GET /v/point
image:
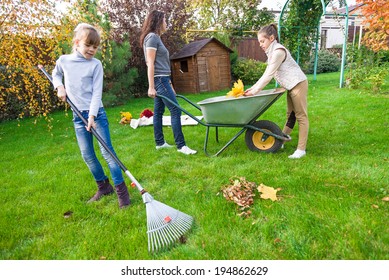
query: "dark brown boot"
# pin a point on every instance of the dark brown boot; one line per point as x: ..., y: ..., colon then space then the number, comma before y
x: 123, y: 196
x: 104, y: 188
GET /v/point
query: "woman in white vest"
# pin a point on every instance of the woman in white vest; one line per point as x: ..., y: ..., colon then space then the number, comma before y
x: 288, y: 74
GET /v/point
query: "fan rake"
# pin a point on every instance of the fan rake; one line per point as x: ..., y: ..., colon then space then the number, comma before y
x: 165, y: 225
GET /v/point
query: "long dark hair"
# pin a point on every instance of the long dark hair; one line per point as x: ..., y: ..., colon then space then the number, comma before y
x: 153, y: 23
x: 269, y: 30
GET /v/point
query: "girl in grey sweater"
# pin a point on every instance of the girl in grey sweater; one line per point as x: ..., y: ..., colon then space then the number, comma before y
x: 79, y: 76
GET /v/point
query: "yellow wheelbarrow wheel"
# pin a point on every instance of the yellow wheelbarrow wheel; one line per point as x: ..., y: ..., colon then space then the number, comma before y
x: 262, y: 142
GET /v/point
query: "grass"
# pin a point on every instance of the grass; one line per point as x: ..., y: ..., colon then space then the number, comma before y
x: 331, y: 203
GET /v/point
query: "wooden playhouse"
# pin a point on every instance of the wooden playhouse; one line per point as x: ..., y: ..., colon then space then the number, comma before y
x: 201, y: 66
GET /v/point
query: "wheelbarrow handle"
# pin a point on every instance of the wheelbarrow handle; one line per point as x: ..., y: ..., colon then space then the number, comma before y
x: 182, y: 109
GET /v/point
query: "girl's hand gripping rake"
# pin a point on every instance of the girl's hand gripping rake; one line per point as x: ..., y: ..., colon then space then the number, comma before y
x: 165, y: 224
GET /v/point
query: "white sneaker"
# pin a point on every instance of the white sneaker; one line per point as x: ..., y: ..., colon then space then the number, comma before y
x: 165, y: 145
x: 297, y: 154
x: 187, y: 151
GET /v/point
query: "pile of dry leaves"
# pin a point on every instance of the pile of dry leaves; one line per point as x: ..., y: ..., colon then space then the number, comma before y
x: 242, y: 193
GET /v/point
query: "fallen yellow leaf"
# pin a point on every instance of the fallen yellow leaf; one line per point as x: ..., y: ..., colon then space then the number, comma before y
x: 386, y: 198
x: 267, y: 192
x: 237, y: 90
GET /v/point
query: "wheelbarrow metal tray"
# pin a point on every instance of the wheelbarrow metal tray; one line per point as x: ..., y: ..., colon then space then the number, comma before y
x: 236, y: 110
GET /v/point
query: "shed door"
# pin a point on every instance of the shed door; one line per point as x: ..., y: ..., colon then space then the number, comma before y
x: 213, y: 73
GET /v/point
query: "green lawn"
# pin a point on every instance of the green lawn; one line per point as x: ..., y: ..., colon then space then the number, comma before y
x: 330, y: 204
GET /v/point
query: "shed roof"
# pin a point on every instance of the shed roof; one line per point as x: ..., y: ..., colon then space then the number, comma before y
x: 194, y: 47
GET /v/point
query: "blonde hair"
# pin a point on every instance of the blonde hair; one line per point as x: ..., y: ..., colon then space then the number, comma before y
x: 86, y: 32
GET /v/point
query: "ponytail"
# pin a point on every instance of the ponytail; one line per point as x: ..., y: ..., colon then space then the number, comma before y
x: 269, y: 30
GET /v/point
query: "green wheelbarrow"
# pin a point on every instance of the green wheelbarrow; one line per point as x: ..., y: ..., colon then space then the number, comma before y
x: 239, y: 112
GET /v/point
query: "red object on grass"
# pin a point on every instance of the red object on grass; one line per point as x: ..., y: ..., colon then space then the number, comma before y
x: 146, y: 113
x: 167, y: 219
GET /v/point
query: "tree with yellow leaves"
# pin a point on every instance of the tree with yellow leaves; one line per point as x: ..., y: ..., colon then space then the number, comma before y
x: 35, y: 32
x: 376, y: 13
x: 24, y: 43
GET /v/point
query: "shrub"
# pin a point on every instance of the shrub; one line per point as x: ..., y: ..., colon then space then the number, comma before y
x: 366, y: 68
x: 326, y: 62
x: 12, y: 106
x: 119, y: 77
x: 248, y: 70
x: 355, y: 76
x: 377, y: 76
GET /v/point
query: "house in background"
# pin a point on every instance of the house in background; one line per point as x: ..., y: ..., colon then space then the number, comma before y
x: 201, y: 66
x: 331, y: 32
x: 332, y: 27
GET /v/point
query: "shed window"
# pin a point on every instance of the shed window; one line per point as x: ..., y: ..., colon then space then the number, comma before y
x: 184, y: 65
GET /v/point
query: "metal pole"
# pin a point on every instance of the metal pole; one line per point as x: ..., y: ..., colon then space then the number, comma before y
x: 344, y: 48
x: 317, y: 40
x: 316, y: 54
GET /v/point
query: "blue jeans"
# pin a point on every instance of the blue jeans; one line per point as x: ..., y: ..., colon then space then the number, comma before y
x: 163, y: 88
x: 85, y: 143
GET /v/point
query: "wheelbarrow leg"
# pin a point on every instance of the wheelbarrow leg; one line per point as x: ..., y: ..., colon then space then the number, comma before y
x: 206, y: 141
x: 225, y: 146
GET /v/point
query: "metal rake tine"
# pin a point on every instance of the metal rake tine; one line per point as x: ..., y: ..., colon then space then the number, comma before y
x: 176, y: 230
x: 148, y: 242
x: 163, y: 235
x: 154, y: 238
x: 158, y: 237
x: 184, y: 224
x: 165, y: 225
x: 155, y: 241
x: 166, y: 238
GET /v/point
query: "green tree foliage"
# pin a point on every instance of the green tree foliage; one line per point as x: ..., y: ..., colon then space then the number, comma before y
x: 248, y: 70
x: 366, y: 68
x: 119, y: 76
x: 299, y: 27
x: 233, y: 16
x: 127, y: 18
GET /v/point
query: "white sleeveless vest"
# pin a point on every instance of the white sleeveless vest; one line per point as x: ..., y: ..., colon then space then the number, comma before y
x: 289, y: 74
